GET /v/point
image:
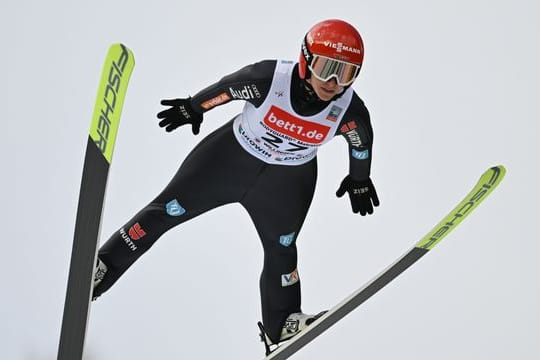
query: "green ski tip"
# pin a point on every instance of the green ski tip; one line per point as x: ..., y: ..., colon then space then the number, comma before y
x: 110, y: 99
x: 487, y: 183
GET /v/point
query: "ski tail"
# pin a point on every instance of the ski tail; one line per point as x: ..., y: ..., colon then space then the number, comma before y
x: 112, y: 89
x: 487, y: 183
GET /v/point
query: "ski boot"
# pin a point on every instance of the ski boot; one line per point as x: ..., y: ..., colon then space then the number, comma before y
x: 99, y: 273
x: 294, y: 324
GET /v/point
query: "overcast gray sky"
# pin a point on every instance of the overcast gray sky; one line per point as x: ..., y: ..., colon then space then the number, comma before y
x: 452, y: 88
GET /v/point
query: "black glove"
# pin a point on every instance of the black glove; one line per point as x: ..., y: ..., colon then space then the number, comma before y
x: 179, y: 114
x: 362, y: 194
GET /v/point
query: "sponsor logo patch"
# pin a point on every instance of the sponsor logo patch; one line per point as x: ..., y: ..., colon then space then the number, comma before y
x: 136, y: 232
x: 306, y: 131
x: 290, y: 279
x: 351, y: 125
x: 354, y: 138
x: 360, y: 155
x: 340, y: 47
x: 127, y: 240
x: 218, y: 100
x: 245, y: 93
x: 287, y: 240
x: 174, y: 208
x: 334, y: 113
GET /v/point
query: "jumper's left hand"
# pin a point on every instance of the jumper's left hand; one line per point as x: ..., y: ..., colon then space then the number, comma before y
x: 361, y: 193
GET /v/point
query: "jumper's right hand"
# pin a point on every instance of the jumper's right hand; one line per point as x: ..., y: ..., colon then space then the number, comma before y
x: 180, y: 113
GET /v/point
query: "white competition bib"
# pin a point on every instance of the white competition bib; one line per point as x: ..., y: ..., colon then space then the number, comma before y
x: 276, y: 134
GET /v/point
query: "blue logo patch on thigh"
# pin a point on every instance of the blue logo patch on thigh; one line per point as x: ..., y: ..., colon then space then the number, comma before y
x: 287, y: 240
x: 360, y: 155
x: 174, y: 208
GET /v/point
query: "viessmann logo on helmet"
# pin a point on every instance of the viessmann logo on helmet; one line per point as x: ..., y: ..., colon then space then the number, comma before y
x: 341, y: 47
x: 302, y: 130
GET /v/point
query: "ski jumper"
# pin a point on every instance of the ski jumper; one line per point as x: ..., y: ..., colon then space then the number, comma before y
x: 263, y: 159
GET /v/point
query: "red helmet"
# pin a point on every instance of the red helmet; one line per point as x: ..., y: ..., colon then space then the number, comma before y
x: 334, y: 39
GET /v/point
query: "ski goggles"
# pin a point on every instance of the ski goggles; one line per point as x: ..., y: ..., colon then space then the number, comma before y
x: 325, y: 68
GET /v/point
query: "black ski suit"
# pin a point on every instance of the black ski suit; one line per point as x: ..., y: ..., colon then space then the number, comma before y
x: 220, y: 171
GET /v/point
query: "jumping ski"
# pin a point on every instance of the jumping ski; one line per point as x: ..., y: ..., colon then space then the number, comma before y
x: 487, y: 183
x: 112, y: 88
